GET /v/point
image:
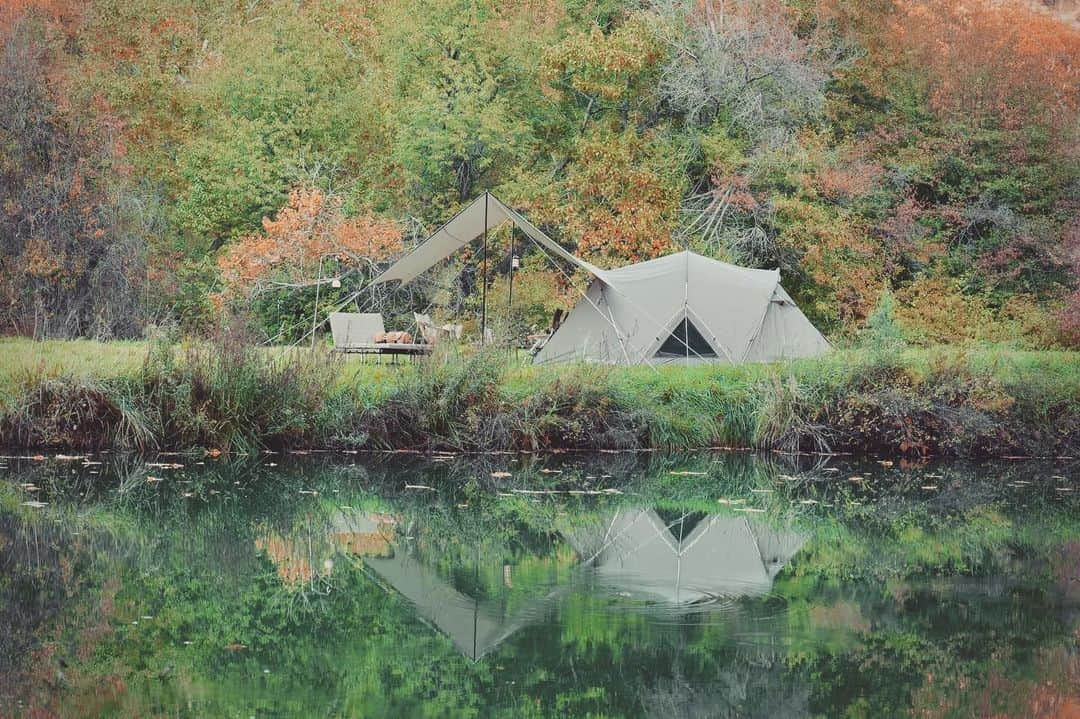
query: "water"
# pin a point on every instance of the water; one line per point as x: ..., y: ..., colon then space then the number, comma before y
x: 611, y: 585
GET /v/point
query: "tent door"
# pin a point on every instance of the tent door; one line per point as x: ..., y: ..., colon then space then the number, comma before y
x: 685, y: 334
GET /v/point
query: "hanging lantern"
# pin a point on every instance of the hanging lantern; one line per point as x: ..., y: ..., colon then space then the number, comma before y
x: 515, y: 263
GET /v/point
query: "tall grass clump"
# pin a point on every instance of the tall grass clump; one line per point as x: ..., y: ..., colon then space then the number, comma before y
x: 580, y: 408
x: 785, y: 416
x: 448, y: 403
x: 66, y: 412
x: 229, y: 394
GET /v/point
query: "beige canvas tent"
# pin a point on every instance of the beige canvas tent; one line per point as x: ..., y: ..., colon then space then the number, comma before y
x: 684, y: 308
x: 688, y: 560
x: 680, y: 308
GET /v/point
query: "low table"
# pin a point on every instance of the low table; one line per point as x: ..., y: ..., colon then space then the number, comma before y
x: 383, y: 348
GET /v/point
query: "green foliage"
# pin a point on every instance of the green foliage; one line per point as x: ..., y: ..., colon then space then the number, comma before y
x: 883, y: 335
x: 833, y: 141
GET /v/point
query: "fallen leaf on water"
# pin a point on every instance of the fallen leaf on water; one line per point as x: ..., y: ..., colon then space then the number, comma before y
x: 236, y: 647
x: 217, y: 452
x: 885, y: 462
x: 854, y: 479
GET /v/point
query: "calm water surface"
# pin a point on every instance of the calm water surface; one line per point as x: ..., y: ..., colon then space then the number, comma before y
x: 615, y: 585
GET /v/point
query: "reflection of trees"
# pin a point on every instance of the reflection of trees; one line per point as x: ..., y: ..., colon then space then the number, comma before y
x: 825, y: 637
x: 743, y: 690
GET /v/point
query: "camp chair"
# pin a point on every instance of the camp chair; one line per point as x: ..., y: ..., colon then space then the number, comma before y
x: 433, y: 333
x: 427, y: 329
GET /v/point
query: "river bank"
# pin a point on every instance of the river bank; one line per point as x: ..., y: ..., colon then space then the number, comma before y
x: 227, y: 395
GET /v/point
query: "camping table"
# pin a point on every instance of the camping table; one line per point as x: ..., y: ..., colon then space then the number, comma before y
x: 383, y: 348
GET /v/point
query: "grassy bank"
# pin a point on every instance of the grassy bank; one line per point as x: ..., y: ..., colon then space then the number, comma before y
x: 980, y: 401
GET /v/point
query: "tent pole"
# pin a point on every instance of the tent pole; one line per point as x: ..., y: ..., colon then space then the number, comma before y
x: 510, y: 296
x: 483, y: 292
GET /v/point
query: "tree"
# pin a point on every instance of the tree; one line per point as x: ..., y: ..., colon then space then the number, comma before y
x: 71, y: 262
x: 290, y: 247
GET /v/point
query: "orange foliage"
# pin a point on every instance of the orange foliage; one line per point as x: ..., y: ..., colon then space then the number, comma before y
x: 56, y: 11
x: 309, y: 226
x: 982, y: 58
x: 626, y: 205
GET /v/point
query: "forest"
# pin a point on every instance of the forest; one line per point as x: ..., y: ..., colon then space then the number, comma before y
x: 178, y: 163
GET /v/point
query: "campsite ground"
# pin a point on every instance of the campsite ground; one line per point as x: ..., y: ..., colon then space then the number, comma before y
x: 980, y: 400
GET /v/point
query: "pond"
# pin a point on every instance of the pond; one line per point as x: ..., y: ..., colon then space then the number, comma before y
x: 616, y: 585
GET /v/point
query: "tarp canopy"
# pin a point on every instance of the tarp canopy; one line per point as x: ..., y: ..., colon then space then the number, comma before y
x: 486, y: 211
x: 684, y: 308
x: 475, y: 627
x: 681, y: 561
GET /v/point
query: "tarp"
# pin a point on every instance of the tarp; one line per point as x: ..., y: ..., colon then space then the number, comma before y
x: 485, y: 211
x: 640, y: 313
x: 473, y: 626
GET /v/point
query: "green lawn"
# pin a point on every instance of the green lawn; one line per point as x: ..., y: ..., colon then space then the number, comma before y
x: 24, y: 359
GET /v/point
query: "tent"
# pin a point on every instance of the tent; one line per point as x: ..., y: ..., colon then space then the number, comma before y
x: 684, y: 308
x: 679, y: 308
x: 690, y: 559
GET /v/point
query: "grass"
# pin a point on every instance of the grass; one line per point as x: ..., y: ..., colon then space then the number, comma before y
x: 963, y: 401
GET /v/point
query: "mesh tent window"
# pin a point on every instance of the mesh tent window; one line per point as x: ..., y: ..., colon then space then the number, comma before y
x: 685, y: 334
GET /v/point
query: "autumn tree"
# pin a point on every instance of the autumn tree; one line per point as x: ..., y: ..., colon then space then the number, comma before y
x: 311, y: 226
x: 71, y: 262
